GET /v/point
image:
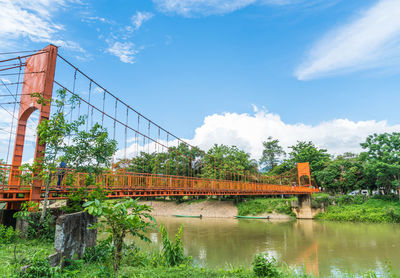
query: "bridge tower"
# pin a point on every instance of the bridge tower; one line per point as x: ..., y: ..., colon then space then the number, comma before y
x: 38, y: 78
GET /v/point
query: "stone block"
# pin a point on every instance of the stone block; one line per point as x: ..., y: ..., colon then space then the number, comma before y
x: 73, y: 235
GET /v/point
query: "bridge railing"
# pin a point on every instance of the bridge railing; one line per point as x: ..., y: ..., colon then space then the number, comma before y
x: 69, y: 179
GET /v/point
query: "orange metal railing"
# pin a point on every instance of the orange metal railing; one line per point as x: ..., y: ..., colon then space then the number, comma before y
x: 146, y: 184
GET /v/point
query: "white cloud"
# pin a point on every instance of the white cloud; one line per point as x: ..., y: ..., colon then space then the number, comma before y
x: 190, y: 8
x: 371, y: 40
x: 139, y: 18
x: 248, y: 131
x: 205, y: 7
x: 32, y: 19
x: 125, y: 51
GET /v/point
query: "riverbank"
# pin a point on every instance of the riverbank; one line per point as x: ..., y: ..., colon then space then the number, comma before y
x: 273, y: 208
x: 362, y: 209
x: 97, y: 263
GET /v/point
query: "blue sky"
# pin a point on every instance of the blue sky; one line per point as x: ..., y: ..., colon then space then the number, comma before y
x: 233, y: 72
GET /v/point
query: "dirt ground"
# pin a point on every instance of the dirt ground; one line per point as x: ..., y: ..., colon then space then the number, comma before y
x: 214, y: 209
x: 209, y: 209
x: 206, y: 208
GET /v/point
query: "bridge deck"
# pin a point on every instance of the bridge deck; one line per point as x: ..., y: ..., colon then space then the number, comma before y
x: 124, y: 184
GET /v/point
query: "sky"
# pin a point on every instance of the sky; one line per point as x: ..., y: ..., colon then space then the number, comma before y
x: 231, y: 72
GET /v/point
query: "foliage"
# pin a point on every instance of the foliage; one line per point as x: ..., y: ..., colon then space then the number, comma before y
x: 173, y: 251
x: 37, y: 228
x: 52, y: 133
x: 102, y: 252
x: 304, y: 152
x: 382, y: 160
x: 271, y: 154
x: 341, y: 175
x: 120, y: 217
x: 265, y: 267
x: 90, y: 151
x: 320, y: 200
x: 259, y: 206
x: 8, y: 235
x: 228, y: 162
x: 362, y: 209
x: 181, y: 160
x: 79, y: 196
x: 40, y: 267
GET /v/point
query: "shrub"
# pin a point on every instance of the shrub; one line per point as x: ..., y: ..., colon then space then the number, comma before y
x: 265, y: 267
x: 40, y: 267
x: 8, y: 235
x: 173, y: 251
x: 265, y: 205
x: 43, y: 229
x: 102, y: 252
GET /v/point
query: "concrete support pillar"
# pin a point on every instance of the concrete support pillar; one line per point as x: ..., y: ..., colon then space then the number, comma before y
x: 304, y: 210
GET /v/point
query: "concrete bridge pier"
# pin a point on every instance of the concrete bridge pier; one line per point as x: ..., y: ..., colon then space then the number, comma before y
x: 303, y: 208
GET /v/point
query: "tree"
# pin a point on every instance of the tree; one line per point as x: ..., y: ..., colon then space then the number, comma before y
x: 53, y: 132
x: 308, y: 152
x: 90, y: 151
x: 120, y: 217
x: 382, y: 160
x: 304, y: 152
x: 271, y: 154
x: 228, y: 162
x: 342, y: 175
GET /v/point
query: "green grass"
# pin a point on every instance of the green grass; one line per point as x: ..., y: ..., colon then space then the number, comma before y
x: 265, y: 205
x: 141, y: 265
x: 369, y: 210
x: 14, y: 256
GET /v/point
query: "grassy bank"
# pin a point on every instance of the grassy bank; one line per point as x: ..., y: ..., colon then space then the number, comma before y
x: 259, y: 206
x: 135, y: 264
x: 361, y: 209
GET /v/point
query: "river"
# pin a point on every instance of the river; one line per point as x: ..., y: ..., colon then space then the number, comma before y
x: 322, y: 248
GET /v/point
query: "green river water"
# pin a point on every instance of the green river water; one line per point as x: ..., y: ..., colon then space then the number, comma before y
x: 322, y: 248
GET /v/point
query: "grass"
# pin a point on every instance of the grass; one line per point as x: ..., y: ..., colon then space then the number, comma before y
x: 373, y: 210
x: 141, y: 264
x: 16, y: 255
x: 259, y: 206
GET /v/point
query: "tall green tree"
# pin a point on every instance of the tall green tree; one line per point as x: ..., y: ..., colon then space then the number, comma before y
x: 382, y: 160
x: 304, y: 152
x: 90, y: 151
x: 272, y: 154
x: 342, y: 175
x: 53, y: 132
x: 228, y: 162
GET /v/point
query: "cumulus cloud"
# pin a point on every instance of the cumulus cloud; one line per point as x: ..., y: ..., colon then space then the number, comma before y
x: 125, y: 51
x: 371, y: 40
x: 248, y: 131
x: 139, y: 18
x: 32, y: 19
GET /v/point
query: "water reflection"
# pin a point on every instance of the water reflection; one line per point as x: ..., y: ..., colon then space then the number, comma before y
x: 322, y: 247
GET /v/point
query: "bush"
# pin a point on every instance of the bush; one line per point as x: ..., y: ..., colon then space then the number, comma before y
x: 37, y: 229
x: 265, y: 205
x: 173, y: 251
x: 44, y: 230
x: 8, y: 235
x: 40, y: 267
x: 102, y: 252
x: 265, y: 267
x: 320, y: 200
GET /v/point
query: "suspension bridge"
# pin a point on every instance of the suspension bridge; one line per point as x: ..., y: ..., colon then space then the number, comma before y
x: 44, y: 71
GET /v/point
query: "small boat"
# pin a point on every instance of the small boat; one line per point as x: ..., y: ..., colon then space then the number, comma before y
x: 252, y: 217
x: 188, y: 216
